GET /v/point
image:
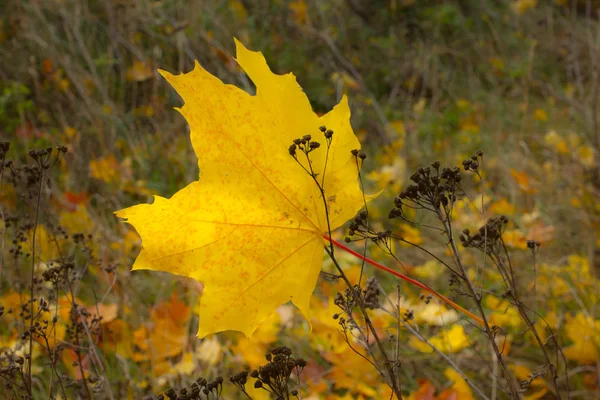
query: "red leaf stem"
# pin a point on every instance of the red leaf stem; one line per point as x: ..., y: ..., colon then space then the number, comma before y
x: 406, y: 278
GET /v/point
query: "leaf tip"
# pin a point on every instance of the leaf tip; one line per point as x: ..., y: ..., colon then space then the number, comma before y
x: 249, y: 60
x: 121, y: 214
x: 237, y: 42
x: 165, y: 74
x: 241, y: 50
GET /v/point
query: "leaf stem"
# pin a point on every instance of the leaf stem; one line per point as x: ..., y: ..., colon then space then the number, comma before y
x: 406, y: 278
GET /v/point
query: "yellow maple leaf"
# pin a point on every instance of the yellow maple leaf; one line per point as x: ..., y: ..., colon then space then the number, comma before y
x: 251, y: 229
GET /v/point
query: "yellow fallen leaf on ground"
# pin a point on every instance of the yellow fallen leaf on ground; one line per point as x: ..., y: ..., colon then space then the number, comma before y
x: 139, y: 71
x: 514, y: 238
x: 165, y: 337
x: 434, y: 313
x: 253, y: 349
x: 210, y: 351
x: 447, y: 341
x: 524, y: 181
x: 251, y: 229
x: 459, y: 390
x: 540, y: 115
x: 108, y: 312
x: 105, y: 169
x: 410, y: 234
x: 502, y: 207
x: 299, y: 9
x: 584, y: 332
x: 116, y: 337
x: 504, y: 314
x: 350, y: 371
x: 521, y: 6
x: 534, y: 388
x: 326, y: 334
x: 426, y: 391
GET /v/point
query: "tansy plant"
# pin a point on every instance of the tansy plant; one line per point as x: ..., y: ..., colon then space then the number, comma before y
x: 275, y: 180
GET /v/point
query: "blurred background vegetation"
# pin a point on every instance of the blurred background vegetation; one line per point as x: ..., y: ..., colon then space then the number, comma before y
x: 427, y: 80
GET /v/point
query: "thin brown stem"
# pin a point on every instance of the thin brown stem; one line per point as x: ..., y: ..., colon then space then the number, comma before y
x: 472, y: 292
x: 396, y: 387
x: 394, y: 383
x: 32, y: 294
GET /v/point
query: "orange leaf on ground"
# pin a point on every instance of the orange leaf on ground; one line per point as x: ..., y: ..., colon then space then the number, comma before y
x: 166, y: 336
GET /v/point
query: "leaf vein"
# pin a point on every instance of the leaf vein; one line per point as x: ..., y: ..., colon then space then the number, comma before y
x: 269, y: 271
